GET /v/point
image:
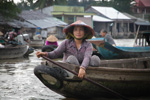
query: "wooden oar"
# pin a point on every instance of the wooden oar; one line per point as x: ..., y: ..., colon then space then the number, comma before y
x: 89, y: 80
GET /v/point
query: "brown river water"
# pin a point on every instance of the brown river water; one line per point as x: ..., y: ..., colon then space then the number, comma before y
x: 18, y: 82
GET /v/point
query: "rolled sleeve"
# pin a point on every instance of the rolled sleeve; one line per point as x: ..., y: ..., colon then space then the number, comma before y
x: 58, y: 51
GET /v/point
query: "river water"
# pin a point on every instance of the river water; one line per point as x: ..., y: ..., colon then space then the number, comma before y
x: 18, y: 82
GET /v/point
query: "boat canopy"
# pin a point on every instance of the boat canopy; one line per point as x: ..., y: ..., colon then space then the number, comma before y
x: 142, y: 23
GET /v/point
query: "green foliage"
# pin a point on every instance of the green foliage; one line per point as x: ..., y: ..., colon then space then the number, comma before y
x: 121, y: 5
x: 39, y: 4
x: 26, y: 5
x: 60, y: 2
x: 73, y: 2
x: 8, y: 9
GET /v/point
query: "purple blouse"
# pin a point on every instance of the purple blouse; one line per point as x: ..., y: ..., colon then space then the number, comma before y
x: 68, y: 47
x: 51, y: 43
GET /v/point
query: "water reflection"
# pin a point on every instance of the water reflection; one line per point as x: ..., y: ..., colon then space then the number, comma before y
x: 17, y: 81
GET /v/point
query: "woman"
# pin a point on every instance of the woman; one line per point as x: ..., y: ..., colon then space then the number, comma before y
x: 51, y: 44
x: 51, y: 40
x: 75, y: 48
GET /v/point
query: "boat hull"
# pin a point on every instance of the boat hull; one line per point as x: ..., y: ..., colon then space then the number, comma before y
x: 108, y: 51
x: 13, y: 52
x: 37, y: 43
x: 126, y: 81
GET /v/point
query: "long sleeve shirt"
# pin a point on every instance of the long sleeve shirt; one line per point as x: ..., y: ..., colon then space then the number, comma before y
x: 68, y: 47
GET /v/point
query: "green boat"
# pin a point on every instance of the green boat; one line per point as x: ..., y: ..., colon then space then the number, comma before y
x: 107, y: 51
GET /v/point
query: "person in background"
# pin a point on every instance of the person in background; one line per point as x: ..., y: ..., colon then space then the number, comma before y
x: 2, y: 42
x: 50, y: 44
x: 75, y: 48
x: 37, y: 35
x: 51, y: 40
x: 12, y: 34
x: 107, y: 37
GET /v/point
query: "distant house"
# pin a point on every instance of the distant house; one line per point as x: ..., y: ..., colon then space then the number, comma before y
x: 112, y: 20
x: 67, y: 14
x: 141, y: 9
x: 47, y: 23
x: 142, y: 6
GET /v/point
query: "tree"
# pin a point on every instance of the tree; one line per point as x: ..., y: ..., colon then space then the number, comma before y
x: 8, y: 9
x: 60, y: 2
x: 122, y: 5
x: 39, y: 4
x: 73, y: 2
x: 26, y: 5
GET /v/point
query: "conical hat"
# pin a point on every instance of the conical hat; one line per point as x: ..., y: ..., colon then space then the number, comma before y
x: 1, y: 33
x: 69, y: 29
x: 52, y: 38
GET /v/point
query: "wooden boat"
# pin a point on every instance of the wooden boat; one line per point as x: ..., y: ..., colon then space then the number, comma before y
x: 48, y: 48
x: 129, y: 77
x: 13, y: 51
x: 29, y: 51
x: 37, y: 43
x: 108, y: 51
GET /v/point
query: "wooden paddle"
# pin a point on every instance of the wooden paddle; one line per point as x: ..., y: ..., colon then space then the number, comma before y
x: 89, y: 80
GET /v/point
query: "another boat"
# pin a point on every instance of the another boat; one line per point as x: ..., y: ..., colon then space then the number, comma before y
x: 13, y: 51
x: 129, y: 77
x: 37, y: 43
x: 29, y: 51
x: 107, y: 51
x: 48, y: 48
x: 141, y: 47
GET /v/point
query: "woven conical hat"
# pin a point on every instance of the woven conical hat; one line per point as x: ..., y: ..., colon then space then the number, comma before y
x: 1, y: 33
x: 52, y: 38
x: 69, y: 28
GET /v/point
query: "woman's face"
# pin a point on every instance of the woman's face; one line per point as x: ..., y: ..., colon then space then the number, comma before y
x: 78, y: 32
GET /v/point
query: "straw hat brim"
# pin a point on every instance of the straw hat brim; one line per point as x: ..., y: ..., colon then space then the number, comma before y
x: 52, y: 38
x: 79, y: 23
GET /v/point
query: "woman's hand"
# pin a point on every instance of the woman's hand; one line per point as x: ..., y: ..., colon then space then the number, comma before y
x: 39, y: 54
x: 81, y: 72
